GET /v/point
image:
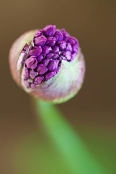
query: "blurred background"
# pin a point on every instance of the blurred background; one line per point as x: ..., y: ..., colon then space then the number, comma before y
x: 24, y: 146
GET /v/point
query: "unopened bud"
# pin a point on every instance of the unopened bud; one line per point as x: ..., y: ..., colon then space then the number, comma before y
x: 48, y: 64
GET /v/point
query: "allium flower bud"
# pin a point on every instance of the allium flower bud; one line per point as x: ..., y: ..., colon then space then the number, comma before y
x: 48, y: 64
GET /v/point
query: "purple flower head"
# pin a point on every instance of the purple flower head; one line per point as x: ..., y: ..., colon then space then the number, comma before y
x: 50, y: 47
x: 48, y: 53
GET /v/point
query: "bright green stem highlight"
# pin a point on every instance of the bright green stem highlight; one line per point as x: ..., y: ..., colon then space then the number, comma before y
x: 70, y: 145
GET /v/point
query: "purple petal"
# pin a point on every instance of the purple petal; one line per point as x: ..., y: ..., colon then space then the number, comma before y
x: 26, y: 75
x: 31, y: 62
x: 42, y: 69
x: 38, y: 33
x: 26, y: 47
x: 75, y: 48
x: 67, y: 54
x: 58, y: 68
x: 49, y: 75
x: 50, y: 55
x: 73, y: 56
x: 65, y: 33
x: 72, y: 40
x: 55, y: 49
x: 44, y: 55
x: 62, y: 45
x: 26, y: 83
x: 62, y: 57
x: 66, y: 39
x: 69, y: 47
x: 61, y: 52
x: 35, y: 52
x: 40, y: 40
x: 56, y: 56
x: 33, y: 85
x: 38, y: 80
x: 51, y: 41
x: 46, y: 49
x: 58, y: 35
x: 33, y: 74
x: 40, y: 58
x: 46, y: 61
x: 49, y: 30
x: 53, y: 65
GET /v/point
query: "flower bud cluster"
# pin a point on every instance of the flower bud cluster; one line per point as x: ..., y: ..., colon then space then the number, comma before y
x: 43, y: 58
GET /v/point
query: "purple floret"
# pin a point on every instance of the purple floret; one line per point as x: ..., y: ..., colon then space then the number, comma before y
x: 43, y: 60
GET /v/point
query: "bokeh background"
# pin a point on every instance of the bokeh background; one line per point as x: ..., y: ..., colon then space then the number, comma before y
x: 24, y: 146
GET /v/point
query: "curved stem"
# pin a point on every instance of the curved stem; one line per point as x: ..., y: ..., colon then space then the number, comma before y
x: 68, y: 142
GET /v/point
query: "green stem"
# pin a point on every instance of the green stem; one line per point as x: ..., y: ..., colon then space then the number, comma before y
x: 70, y: 145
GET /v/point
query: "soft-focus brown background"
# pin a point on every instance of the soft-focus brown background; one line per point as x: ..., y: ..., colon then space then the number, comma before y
x: 94, y: 108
